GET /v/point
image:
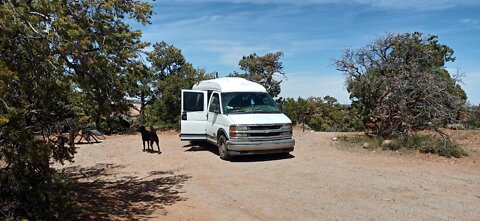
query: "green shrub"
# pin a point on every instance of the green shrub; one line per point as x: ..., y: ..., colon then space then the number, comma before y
x: 429, y: 144
x: 392, y: 145
x: 374, y: 142
x: 444, y: 148
x: 424, y: 142
x: 473, y: 117
x: 415, y: 141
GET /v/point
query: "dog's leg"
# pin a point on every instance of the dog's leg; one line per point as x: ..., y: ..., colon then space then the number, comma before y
x: 143, y: 141
x: 158, y: 147
x: 151, y: 145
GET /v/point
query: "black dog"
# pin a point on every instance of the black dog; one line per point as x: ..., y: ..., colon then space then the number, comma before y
x: 150, y: 137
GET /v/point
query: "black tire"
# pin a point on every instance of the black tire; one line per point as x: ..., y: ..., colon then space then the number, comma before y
x: 222, y: 148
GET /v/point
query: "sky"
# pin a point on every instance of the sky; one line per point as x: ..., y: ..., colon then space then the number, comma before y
x: 215, y: 34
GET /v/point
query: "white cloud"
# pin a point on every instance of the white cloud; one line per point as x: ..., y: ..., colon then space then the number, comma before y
x: 230, y: 52
x: 471, y: 22
x: 392, y: 4
x: 195, y: 20
x: 316, y: 45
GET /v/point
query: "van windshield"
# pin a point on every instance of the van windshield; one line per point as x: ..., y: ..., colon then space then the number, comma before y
x: 248, y: 102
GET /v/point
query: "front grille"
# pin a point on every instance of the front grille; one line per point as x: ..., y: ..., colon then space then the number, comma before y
x: 262, y: 133
x: 265, y: 127
x: 265, y: 134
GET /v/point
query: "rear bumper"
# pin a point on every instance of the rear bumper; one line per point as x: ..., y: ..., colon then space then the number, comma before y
x: 260, y: 147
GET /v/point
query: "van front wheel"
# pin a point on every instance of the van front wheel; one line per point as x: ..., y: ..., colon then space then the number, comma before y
x: 222, y: 148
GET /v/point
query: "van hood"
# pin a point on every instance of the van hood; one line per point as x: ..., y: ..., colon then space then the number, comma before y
x: 259, y: 118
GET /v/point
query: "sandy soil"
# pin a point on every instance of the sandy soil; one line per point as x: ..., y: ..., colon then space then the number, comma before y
x: 320, y: 180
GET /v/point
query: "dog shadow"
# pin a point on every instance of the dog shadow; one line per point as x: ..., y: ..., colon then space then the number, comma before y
x: 152, y: 151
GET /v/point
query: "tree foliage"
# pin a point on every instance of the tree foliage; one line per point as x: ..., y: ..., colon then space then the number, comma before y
x: 174, y: 73
x: 399, y: 81
x: 322, y: 114
x: 262, y: 69
x: 144, y: 87
x: 472, y: 119
x: 51, y: 54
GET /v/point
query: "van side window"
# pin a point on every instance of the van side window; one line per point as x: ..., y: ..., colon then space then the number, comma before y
x: 193, y: 101
x: 214, y: 104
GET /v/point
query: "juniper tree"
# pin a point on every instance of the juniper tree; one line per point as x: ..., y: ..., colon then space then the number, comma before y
x: 400, y: 81
x: 49, y: 51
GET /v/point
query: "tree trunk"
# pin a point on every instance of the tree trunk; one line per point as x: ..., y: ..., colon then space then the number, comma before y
x: 142, y: 109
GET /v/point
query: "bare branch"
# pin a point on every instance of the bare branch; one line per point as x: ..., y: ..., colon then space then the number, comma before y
x: 34, y: 30
x: 4, y: 103
x: 40, y: 14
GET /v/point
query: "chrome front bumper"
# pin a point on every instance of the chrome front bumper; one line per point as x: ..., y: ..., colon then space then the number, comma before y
x: 275, y: 146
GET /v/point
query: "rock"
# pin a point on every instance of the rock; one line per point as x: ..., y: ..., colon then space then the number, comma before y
x: 365, y: 145
x: 334, y: 139
x: 456, y: 126
x: 387, y: 142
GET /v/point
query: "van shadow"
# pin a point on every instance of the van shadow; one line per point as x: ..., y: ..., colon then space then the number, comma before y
x: 102, y: 193
x: 204, y: 146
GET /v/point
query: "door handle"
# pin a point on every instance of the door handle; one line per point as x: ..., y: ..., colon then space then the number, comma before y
x: 184, y: 115
x: 207, y: 116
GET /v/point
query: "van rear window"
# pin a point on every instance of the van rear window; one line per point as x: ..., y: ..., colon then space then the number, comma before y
x: 192, y: 101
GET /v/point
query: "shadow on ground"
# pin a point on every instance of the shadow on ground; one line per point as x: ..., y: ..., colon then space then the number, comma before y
x: 102, y: 193
x: 203, y: 146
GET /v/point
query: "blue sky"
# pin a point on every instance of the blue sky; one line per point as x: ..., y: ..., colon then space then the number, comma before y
x: 215, y: 34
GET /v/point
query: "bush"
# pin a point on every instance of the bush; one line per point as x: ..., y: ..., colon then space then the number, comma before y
x: 424, y: 142
x: 429, y: 144
x: 391, y: 145
x: 373, y: 142
x: 473, y: 117
x: 323, y: 114
x: 415, y: 141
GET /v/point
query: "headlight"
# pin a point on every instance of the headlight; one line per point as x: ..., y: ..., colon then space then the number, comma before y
x: 234, y: 129
x: 238, y: 128
x: 287, y: 127
x: 287, y: 130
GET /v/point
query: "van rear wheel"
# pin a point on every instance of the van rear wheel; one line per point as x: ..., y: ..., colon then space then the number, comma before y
x: 222, y: 148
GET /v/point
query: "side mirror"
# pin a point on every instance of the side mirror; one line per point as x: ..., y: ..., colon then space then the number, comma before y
x: 184, y: 115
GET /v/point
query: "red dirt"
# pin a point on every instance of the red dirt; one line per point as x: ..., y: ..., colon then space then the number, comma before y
x: 321, y: 180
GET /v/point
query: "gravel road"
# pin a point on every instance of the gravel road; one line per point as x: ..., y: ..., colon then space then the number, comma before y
x: 320, y: 180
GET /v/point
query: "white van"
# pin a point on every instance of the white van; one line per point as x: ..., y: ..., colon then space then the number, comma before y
x: 237, y: 115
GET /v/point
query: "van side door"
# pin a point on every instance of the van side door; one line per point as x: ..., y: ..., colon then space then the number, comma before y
x: 193, y: 115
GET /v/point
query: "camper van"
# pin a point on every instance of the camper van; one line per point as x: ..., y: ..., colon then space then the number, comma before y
x: 237, y: 115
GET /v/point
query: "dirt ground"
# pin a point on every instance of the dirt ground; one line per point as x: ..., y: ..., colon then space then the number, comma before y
x: 320, y: 180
